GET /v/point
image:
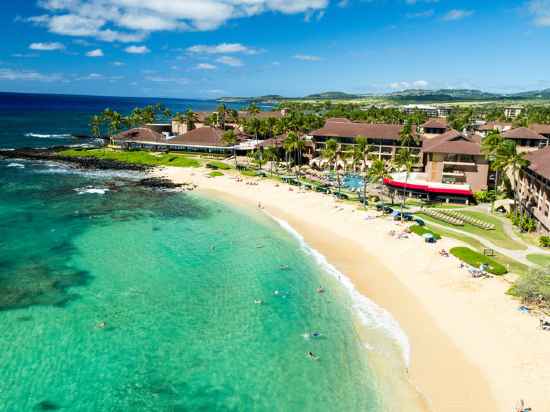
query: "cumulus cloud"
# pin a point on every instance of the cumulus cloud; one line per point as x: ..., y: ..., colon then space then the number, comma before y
x: 421, y: 14
x: 457, y: 14
x: 27, y: 75
x: 540, y: 10
x: 95, y: 53
x: 162, y: 79
x: 118, y: 64
x: 137, y: 49
x: 222, y: 48
x: 205, y: 66
x: 307, y: 57
x: 418, y: 84
x: 46, y: 46
x: 230, y: 61
x: 132, y: 20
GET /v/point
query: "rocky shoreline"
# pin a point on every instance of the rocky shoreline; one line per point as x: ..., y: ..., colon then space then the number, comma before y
x: 52, y: 154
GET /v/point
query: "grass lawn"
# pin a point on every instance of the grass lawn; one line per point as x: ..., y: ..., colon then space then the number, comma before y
x: 422, y: 230
x: 511, y: 264
x: 215, y: 164
x: 140, y: 157
x: 539, y: 259
x: 475, y: 259
x: 215, y: 173
x: 497, y: 236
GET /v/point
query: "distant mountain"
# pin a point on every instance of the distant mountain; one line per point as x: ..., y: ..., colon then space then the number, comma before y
x: 333, y: 95
x: 534, y: 94
x: 443, y: 95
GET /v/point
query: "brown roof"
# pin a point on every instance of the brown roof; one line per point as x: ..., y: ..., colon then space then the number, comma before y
x: 543, y: 129
x: 540, y: 162
x: 203, y: 136
x: 493, y: 125
x: 453, y: 142
x: 435, y: 123
x: 353, y: 129
x: 140, y: 134
x: 522, y: 133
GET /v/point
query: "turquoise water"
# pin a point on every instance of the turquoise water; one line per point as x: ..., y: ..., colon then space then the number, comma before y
x: 173, y: 278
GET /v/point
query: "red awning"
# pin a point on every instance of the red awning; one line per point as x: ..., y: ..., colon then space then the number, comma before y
x: 427, y: 188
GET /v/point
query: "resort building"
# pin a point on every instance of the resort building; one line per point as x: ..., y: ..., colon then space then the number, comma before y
x: 542, y: 129
x: 534, y: 188
x: 430, y: 111
x: 501, y: 127
x: 434, y: 127
x: 512, y: 112
x: 139, y: 137
x: 383, y: 139
x: 455, y: 169
x: 526, y: 139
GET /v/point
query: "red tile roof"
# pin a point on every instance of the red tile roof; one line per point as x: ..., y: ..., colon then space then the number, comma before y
x: 140, y: 134
x: 203, y: 136
x: 540, y: 162
x: 543, y: 129
x: 436, y: 123
x: 493, y: 126
x: 522, y: 133
x: 453, y: 142
x: 339, y: 128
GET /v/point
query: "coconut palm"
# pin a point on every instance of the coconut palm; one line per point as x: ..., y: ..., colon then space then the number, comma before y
x: 360, y: 152
x: 490, y: 146
x: 510, y: 161
x: 222, y: 111
x: 230, y: 139
x: 404, y: 160
x: 407, y: 136
x: 332, y: 153
x: 95, y: 126
x: 190, y: 119
x: 270, y: 155
x: 253, y: 109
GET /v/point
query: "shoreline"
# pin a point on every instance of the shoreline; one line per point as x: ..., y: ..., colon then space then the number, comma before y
x: 467, y: 338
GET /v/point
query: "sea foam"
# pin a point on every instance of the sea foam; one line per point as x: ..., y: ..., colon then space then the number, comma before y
x: 372, y: 315
x: 91, y: 190
x: 18, y: 165
x: 48, y: 136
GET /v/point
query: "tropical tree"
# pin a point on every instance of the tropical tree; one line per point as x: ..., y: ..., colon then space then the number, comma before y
x: 253, y: 109
x: 332, y: 153
x: 222, y: 111
x: 510, y: 161
x: 490, y: 146
x: 294, y: 147
x: 95, y: 125
x: 190, y: 119
x: 230, y: 139
x: 270, y: 155
x: 360, y: 152
x: 407, y: 136
x: 404, y: 160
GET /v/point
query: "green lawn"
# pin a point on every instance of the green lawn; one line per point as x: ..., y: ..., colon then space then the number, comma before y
x: 215, y: 164
x: 140, y: 157
x: 422, y: 230
x: 475, y: 259
x: 539, y: 259
x: 497, y: 236
x: 511, y: 264
x: 215, y: 173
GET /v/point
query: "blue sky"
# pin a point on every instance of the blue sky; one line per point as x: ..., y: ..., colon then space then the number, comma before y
x: 209, y: 48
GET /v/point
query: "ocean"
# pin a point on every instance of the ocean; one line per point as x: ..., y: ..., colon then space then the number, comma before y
x: 114, y: 297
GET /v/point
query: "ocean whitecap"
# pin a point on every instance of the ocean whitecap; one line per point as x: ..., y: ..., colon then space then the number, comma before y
x: 91, y: 190
x: 48, y: 136
x: 18, y: 165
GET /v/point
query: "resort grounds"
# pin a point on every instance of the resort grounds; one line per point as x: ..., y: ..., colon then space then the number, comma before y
x: 471, y: 349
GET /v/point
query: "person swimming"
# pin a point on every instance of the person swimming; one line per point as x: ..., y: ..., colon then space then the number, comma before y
x: 101, y: 325
x: 312, y: 356
x: 258, y: 301
x: 320, y: 289
x: 316, y: 334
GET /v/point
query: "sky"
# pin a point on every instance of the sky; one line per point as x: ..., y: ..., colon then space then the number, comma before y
x: 212, y: 48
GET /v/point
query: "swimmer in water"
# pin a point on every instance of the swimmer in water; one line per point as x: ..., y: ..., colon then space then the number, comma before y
x: 320, y: 289
x: 312, y: 355
x: 258, y: 302
x: 101, y: 325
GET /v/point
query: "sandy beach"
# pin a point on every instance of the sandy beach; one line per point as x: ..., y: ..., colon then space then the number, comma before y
x: 471, y: 349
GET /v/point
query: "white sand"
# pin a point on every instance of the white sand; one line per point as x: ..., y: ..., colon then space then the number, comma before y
x: 472, y: 350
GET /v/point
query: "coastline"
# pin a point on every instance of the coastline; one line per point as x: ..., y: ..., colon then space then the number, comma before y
x: 467, y: 338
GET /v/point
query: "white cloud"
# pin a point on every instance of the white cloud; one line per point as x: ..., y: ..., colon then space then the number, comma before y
x: 307, y: 57
x: 222, y: 48
x: 540, y: 10
x: 99, y: 76
x: 118, y: 64
x: 457, y: 14
x: 420, y: 84
x: 46, y: 46
x: 27, y: 75
x: 417, y: 84
x: 421, y: 14
x: 230, y: 61
x: 137, y: 49
x: 205, y: 66
x: 162, y: 79
x: 103, y: 19
x: 95, y: 53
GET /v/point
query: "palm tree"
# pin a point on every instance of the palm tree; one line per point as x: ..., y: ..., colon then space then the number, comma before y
x: 253, y: 109
x: 404, y: 160
x: 511, y: 162
x: 95, y: 126
x: 407, y: 136
x: 332, y: 153
x: 190, y: 119
x: 270, y: 155
x: 289, y: 145
x: 490, y: 146
x: 360, y: 152
x: 221, y: 116
x: 378, y: 171
x: 230, y: 139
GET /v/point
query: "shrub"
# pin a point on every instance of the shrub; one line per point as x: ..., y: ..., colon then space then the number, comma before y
x: 544, y: 241
x: 534, y: 287
x: 422, y: 230
x: 475, y: 259
x: 485, y: 196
